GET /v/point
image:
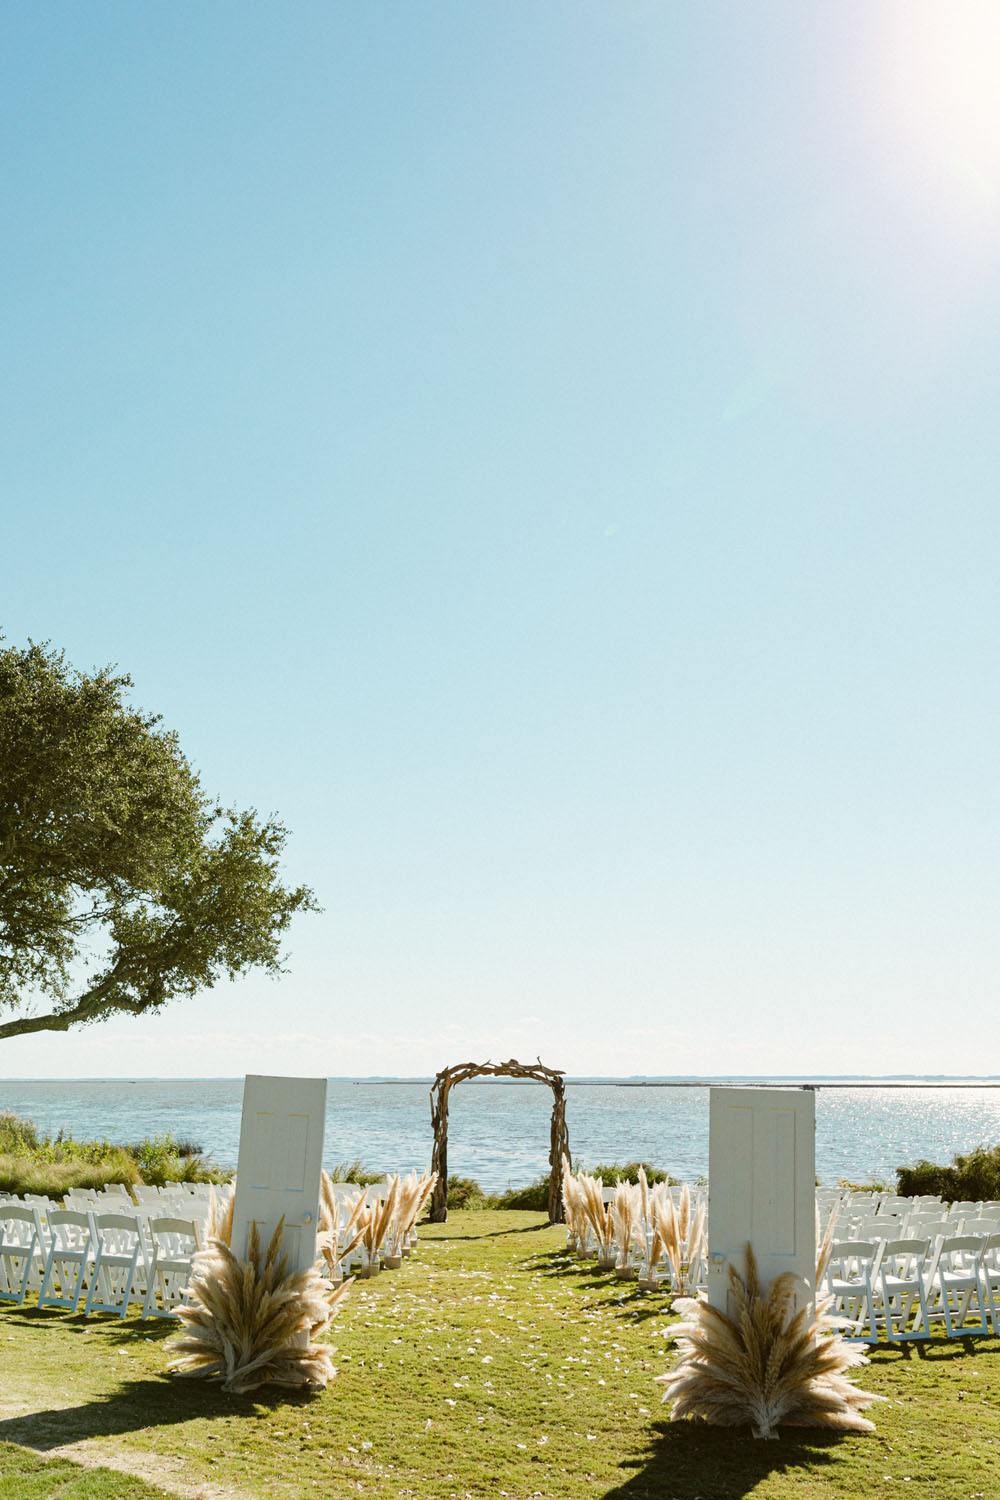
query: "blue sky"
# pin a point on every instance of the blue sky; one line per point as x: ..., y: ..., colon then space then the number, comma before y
x: 548, y: 455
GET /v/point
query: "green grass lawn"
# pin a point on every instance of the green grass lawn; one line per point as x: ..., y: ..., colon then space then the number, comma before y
x: 491, y: 1364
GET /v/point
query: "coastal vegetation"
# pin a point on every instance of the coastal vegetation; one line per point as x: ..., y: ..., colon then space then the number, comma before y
x: 974, y: 1178
x: 34, y: 1163
x: 494, y: 1361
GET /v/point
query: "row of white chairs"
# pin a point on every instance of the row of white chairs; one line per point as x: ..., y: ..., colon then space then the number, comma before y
x: 896, y: 1288
x: 105, y: 1260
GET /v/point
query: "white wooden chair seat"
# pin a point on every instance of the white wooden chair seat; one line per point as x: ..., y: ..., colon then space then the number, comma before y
x: 22, y: 1250
x: 852, y: 1272
x: 955, y: 1283
x: 903, y: 1289
x: 175, y: 1242
x: 69, y: 1262
x: 120, y: 1249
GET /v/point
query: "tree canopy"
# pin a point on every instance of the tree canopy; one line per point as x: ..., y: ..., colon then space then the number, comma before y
x: 122, y: 884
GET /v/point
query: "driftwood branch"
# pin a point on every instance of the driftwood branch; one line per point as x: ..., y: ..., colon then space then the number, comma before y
x: 558, y: 1140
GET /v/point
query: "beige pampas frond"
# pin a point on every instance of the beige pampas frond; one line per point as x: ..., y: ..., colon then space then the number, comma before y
x: 660, y: 1218
x: 576, y: 1216
x: 767, y: 1365
x: 599, y: 1215
x: 644, y: 1200
x: 624, y: 1212
x: 428, y: 1183
x: 825, y: 1243
x: 377, y: 1220
x: 333, y: 1245
x: 683, y: 1212
x: 220, y: 1221
x: 249, y: 1323
x: 414, y: 1192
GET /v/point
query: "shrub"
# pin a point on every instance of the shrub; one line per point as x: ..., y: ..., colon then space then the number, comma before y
x: 16, y: 1135
x: 535, y: 1196
x: 973, y: 1177
x: 465, y: 1192
x: 355, y: 1171
x: 30, y: 1163
x: 628, y: 1173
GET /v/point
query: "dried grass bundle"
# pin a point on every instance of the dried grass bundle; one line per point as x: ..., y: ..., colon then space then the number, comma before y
x: 220, y: 1215
x: 576, y: 1215
x: 644, y: 1205
x: 414, y: 1192
x: 374, y: 1224
x: 600, y: 1217
x: 332, y: 1243
x: 767, y: 1365
x: 249, y: 1323
x: 625, y: 1210
x: 661, y: 1230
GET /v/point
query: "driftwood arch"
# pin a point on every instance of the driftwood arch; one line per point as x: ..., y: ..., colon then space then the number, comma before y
x: 558, y: 1140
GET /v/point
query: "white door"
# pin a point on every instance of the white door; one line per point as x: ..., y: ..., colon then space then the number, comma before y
x: 281, y: 1158
x: 762, y: 1186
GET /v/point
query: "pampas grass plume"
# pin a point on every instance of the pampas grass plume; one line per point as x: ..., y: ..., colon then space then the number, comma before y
x: 767, y: 1364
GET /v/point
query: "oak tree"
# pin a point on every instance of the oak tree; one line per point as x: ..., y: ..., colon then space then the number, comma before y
x: 122, y: 884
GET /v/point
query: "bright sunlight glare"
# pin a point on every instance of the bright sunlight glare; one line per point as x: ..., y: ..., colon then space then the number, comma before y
x: 942, y: 66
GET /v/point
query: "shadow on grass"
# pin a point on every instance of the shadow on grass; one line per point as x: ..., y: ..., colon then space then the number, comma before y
x: 491, y: 1234
x: 114, y: 1330
x: 138, y: 1405
x: 687, y: 1460
x: 624, y: 1298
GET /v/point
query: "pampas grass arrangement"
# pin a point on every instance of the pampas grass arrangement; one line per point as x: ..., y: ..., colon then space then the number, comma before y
x: 768, y: 1364
x: 600, y: 1217
x: 577, y: 1223
x: 249, y: 1322
x: 333, y: 1243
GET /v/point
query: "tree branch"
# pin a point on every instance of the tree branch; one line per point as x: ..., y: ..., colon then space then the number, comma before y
x: 95, y: 1003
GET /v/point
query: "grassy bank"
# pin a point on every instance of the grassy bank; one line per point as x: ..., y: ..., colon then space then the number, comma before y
x: 491, y: 1364
x: 34, y: 1163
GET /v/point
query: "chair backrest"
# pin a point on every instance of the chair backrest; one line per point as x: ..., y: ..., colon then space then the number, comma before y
x: 853, y: 1260
x: 960, y: 1254
x: 116, y: 1230
x: 80, y: 1197
x: 931, y: 1229
x: 874, y: 1228
x: 981, y: 1225
x: 20, y: 1225
x: 904, y: 1258
x: 71, y: 1228
x: 174, y: 1239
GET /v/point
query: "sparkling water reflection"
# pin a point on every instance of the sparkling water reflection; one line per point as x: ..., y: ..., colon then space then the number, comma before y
x: 499, y: 1132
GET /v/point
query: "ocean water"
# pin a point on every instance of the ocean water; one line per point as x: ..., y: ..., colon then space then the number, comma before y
x: 499, y: 1132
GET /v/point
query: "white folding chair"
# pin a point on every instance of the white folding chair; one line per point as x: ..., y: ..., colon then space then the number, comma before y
x: 80, y: 1199
x: 989, y: 1271
x: 22, y: 1248
x: 70, y: 1258
x: 982, y: 1225
x: 901, y: 1280
x: 955, y: 1281
x: 175, y: 1243
x: 851, y: 1274
x: 120, y: 1248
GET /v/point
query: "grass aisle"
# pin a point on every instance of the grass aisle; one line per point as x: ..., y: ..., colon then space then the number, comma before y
x: 491, y: 1364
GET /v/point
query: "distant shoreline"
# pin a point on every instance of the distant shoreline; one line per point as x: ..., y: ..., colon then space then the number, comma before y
x: 991, y: 1081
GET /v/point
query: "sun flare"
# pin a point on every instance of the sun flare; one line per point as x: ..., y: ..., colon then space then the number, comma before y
x: 942, y: 91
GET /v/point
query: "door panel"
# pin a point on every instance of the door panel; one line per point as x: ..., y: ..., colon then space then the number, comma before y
x: 281, y: 1157
x: 762, y: 1186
